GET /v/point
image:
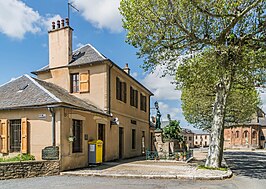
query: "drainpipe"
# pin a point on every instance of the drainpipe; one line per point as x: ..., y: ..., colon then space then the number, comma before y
x: 52, y: 111
x: 109, y: 83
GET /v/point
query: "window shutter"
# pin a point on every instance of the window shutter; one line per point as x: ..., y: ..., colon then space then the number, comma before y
x: 137, y: 99
x: 24, y: 135
x: 131, y: 96
x: 117, y: 88
x: 4, y: 136
x: 141, y: 101
x: 84, y: 83
x: 124, y: 92
x: 145, y: 103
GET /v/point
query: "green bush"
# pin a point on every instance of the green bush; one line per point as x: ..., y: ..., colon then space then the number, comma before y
x: 19, y: 157
x: 173, y: 130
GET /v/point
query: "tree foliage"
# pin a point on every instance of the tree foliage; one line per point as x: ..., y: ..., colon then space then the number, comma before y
x: 163, y: 30
x: 199, y: 75
x: 172, y: 130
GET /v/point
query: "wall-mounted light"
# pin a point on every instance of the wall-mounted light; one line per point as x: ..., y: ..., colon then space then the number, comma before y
x: 71, y: 138
x: 114, y: 121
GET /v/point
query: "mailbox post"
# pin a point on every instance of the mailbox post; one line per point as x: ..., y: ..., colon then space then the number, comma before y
x: 96, y: 152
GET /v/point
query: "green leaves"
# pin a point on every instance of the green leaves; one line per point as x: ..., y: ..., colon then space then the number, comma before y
x: 165, y: 29
x: 173, y: 130
x: 198, y: 77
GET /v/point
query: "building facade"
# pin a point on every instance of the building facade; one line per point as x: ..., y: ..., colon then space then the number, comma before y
x: 249, y: 135
x: 188, y: 137
x: 201, y: 138
x: 79, y: 97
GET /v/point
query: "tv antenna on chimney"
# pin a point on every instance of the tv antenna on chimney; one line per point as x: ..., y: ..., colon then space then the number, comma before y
x: 68, y: 9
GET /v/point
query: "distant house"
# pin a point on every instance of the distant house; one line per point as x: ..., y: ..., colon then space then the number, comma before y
x: 78, y: 97
x: 201, y: 138
x: 247, y: 135
x: 188, y: 137
x: 187, y: 134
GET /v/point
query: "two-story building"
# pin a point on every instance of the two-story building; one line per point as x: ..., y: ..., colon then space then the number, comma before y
x: 188, y: 137
x: 78, y: 97
x: 201, y: 138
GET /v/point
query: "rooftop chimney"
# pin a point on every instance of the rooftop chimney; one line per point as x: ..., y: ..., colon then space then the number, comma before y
x: 127, y: 69
x: 60, y: 44
x: 53, y: 25
x: 58, y: 24
x: 67, y: 21
x: 62, y: 23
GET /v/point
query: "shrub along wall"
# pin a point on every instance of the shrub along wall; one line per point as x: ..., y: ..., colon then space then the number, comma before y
x: 25, y: 169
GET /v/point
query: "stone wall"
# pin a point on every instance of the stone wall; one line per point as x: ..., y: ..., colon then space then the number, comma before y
x: 26, y: 169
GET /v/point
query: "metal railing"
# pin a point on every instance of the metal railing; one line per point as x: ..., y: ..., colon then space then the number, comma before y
x: 180, y: 155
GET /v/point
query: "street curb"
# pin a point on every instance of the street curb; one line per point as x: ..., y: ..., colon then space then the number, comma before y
x: 227, y: 175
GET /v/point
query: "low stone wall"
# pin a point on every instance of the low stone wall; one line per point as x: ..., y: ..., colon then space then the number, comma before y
x: 26, y: 169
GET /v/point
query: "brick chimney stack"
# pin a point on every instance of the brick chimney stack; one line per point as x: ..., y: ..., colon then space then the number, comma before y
x: 127, y: 69
x: 60, y: 44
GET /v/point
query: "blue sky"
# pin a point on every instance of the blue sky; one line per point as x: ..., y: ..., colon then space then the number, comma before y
x: 24, y: 42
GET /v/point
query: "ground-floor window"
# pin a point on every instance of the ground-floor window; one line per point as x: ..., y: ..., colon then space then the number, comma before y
x: 15, y: 135
x: 254, y: 134
x: 237, y: 134
x: 245, y: 134
x: 133, y: 138
x: 77, y: 133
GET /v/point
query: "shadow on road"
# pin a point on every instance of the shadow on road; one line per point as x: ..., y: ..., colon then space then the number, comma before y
x: 250, y: 164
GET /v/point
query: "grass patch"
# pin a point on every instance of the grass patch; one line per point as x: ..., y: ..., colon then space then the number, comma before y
x: 212, y: 168
x: 23, y: 157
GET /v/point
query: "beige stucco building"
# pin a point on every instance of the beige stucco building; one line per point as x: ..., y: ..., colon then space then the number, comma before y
x: 81, y: 96
x: 188, y: 137
x: 201, y: 138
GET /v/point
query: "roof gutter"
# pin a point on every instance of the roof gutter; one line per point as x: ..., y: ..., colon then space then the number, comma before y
x: 55, y: 106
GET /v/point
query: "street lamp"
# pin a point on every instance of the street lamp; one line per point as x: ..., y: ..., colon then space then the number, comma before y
x: 158, y: 117
x: 156, y: 105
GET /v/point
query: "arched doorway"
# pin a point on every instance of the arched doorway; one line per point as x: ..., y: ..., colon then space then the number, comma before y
x: 254, y: 138
x: 245, y: 137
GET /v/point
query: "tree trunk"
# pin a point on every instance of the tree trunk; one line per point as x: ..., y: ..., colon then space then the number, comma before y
x: 215, y: 152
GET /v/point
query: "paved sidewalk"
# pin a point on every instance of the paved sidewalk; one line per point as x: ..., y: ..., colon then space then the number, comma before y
x: 140, y: 168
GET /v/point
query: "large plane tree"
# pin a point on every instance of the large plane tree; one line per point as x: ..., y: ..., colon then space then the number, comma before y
x: 164, y: 30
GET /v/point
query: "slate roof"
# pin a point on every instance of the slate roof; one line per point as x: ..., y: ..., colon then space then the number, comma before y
x: 87, y: 54
x: 84, y: 55
x: 200, y: 132
x: 26, y: 91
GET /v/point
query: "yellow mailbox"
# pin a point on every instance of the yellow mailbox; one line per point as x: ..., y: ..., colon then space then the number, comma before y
x: 96, y: 151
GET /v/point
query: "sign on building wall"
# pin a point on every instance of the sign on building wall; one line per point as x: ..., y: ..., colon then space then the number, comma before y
x: 42, y: 116
x: 50, y: 153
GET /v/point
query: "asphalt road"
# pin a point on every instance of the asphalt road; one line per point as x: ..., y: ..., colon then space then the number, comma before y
x: 249, y: 169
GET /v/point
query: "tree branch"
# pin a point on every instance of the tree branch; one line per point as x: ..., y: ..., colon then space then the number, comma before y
x: 221, y: 38
x: 194, y: 3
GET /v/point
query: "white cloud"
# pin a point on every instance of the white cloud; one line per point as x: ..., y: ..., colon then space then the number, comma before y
x: 135, y: 74
x: 44, y: 45
x: 101, y: 13
x: 175, y: 112
x: 79, y: 45
x: 46, y: 21
x: 162, y: 87
x: 263, y: 99
x: 16, y: 19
